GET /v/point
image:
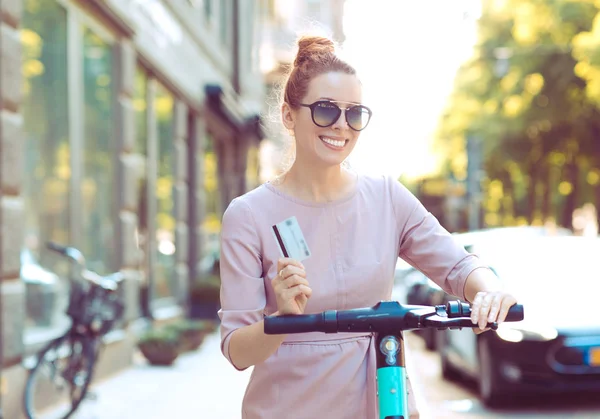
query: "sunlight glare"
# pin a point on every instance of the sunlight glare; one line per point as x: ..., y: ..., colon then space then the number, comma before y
x: 406, y: 54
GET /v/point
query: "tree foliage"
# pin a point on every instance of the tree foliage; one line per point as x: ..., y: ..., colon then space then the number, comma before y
x: 531, y: 92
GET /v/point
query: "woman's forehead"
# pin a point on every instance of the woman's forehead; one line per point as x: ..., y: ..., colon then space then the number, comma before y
x: 335, y: 86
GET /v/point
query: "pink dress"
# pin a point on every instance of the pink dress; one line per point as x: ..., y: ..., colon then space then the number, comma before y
x: 355, y: 244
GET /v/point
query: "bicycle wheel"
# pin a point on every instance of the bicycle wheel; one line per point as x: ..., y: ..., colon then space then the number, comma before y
x: 61, y: 377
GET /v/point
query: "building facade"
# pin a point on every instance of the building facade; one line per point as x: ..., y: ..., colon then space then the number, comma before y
x: 126, y: 127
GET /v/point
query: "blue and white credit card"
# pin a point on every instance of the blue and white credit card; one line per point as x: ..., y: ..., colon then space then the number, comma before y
x: 290, y: 239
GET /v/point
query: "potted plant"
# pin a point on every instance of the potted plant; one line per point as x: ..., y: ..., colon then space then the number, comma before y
x: 191, y: 332
x: 205, y: 298
x: 160, y: 346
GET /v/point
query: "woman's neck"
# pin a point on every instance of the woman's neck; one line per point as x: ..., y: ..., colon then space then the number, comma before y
x: 318, y: 184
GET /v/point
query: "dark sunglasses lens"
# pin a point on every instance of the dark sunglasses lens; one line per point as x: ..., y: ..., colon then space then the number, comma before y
x: 358, y: 117
x: 325, y: 114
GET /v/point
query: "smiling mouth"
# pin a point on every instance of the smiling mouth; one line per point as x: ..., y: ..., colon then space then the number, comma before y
x: 333, y: 143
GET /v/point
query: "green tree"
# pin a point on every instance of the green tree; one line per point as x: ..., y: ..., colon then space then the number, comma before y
x: 521, y: 94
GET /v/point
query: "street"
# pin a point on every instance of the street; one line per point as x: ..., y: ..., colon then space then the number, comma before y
x: 441, y: 399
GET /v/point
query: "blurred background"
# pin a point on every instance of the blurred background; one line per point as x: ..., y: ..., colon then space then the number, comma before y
x: 127, y: 127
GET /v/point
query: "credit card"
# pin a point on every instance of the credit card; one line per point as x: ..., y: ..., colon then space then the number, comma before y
x: 290, y: 239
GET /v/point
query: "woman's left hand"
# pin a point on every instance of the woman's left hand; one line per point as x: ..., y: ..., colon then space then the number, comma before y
x: 488, y: 307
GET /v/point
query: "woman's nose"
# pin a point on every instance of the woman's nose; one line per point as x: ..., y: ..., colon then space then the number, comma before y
x: 341, y: 121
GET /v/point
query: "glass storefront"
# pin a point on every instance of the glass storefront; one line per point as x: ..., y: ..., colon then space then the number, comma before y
x: 47, y: 170
x: 140, y: 107
x: 70, y: 185
x: 50, y: 86
x: 164, y: 270
x: 97, y: 186
x: 211, y: 225
x: 156, y: 218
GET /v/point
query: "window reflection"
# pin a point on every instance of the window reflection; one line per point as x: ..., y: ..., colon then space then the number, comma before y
x: 141, y: 157
x: 208, y: 9
x: 224, y: 21
x: 97, y: 188
x: 212, y: 222
x: 165, y: 221
x: 47, y: 160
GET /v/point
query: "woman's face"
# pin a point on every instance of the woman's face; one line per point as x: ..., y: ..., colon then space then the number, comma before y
x: 325, y: 145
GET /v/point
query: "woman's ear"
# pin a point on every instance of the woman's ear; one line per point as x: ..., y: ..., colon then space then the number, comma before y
x: 288, y: 117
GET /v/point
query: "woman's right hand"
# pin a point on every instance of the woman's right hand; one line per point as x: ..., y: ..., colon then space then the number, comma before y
x: 291, y: 287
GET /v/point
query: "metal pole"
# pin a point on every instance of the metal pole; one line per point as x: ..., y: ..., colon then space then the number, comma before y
x: 474, y: 156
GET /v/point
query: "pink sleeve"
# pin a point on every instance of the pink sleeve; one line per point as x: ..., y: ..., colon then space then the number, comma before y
x: 427, y: 246
x: 243, y: 295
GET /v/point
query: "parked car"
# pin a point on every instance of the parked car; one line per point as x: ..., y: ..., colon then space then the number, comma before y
x: 421, y: 290
x: 556, y: 349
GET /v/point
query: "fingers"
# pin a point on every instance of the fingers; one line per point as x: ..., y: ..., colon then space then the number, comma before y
x: 283, y: 262
x: 294, y: 292
x: 476, y: 307
x: 480, y: 309
x: 507, y: 303
x: 288, y: 277
x: 306, y: 290
x: 290, y: 270
x: 490, y: 307
x: 292, y: 281
x: 291, y: 287
x: 494, y: 308
x: 484, y: 311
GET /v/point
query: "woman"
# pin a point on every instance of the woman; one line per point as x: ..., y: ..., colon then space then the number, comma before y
x: 356, y: 227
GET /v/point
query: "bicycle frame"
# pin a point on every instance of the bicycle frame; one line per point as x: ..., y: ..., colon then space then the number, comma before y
x: 387, y: 320
x: 94, y: 307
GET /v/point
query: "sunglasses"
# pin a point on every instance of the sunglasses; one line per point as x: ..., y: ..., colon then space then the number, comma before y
x: 325, y: 113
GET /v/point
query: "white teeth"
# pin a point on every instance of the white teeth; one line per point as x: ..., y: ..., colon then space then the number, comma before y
x: 335, y: 143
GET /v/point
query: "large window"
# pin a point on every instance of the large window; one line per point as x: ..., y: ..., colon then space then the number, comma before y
x: 212, y: 221
x: 208, y: 9
x: 165, y: 220
x: 97, y: 187
x: 47, y: 170
x: 224, y: 21
x: 154, y: 155
x: 69, y: 129
x: 141, y: 159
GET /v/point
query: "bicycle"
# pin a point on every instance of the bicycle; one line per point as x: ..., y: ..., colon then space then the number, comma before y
x: 387, y: 320
x: 67, y: 362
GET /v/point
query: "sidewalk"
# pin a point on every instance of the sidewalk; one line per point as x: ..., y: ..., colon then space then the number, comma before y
x: 201, y: 384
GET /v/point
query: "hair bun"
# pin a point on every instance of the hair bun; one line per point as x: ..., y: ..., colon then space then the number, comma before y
x: 310, y: 47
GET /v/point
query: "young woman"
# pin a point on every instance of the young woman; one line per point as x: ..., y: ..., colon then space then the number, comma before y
x: 356, y: 227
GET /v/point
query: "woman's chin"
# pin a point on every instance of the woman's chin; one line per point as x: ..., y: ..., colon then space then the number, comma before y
x: 330, y: 161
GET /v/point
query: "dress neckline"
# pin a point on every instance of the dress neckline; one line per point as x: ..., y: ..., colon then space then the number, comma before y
x: 308, y: 203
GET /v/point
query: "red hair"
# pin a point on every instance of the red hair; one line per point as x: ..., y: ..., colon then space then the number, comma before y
x: 316, y: 55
